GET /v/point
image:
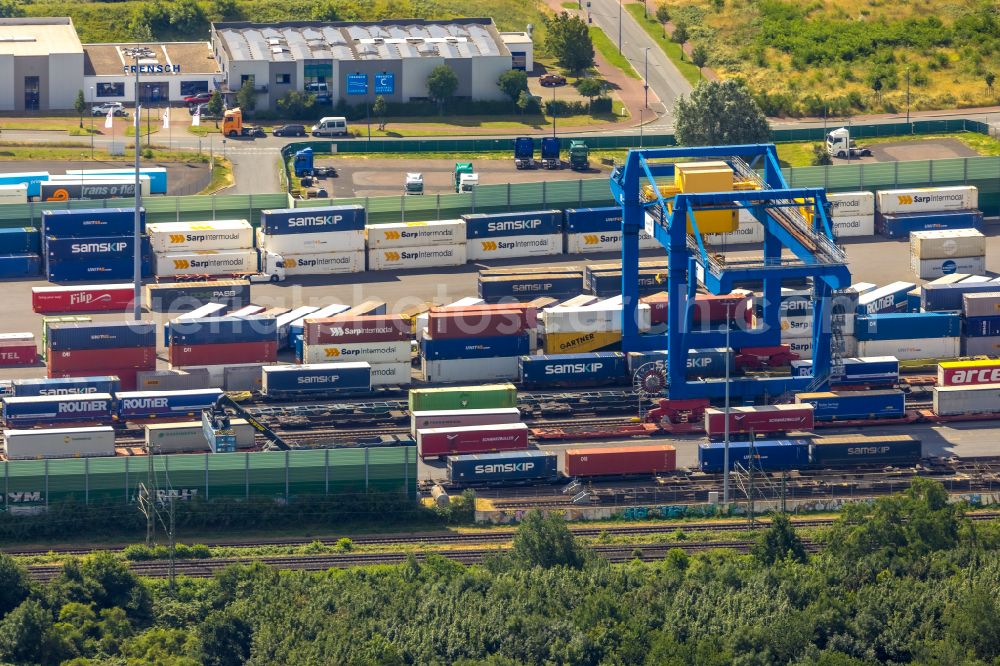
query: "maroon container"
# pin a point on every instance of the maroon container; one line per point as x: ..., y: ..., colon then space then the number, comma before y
x: 621, y: 460
x: 657, y: 307
x: 18, y: 355
x: 447, y: 325
x: 345, y: 330
x: 761, y: 420
x: 436, y: 442
x: 93, y: 298
x: 708, y: 308
x: 530, y: 311
x: 230, y: 353
x: 101, y: 359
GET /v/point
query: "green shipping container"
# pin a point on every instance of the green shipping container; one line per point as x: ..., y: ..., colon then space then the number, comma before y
x: 487, y: 396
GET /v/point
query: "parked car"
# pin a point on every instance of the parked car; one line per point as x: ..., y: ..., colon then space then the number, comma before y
x: 290, y: 130
x: 202, y: 110
x: 552, y: 80
x: 198, y: 98
x: 102, y: 109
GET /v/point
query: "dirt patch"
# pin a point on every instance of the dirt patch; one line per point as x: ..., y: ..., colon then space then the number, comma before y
x: 182, y: 178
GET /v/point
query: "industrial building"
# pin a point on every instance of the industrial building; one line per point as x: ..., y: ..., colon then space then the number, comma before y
x: 41, y: 64
x: 175, y: 71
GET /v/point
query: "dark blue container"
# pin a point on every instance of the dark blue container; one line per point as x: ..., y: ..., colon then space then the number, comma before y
x: 872, y: 450
x: 769, y: 455
x: 529, y: 223
x: 90, y: 222
x: 290, y: 380
x: 20, y: 240
x: 948, y: 297
x: 591, y: 369
x: 982, y: 327
x: 901, y: 224
x: 499, y: 469
x: 908, y: 325
x: 312, y: 220
x: 870, y: 370
x: 76, y: 336
x: 847, y: 405
x: 593, y: 220
x: 96, y: 270
x: 223, y: 330
x: 487, y: 347
x: 710, y: 362
x: 164, y: 404
x: 298, y: 344
x: 20, y: 265
x: 43, y: 410
x: 26, y: 388
x: 609, y: 283
x: 527, y: 287
x: 97, y: 248
x: 913, y: 301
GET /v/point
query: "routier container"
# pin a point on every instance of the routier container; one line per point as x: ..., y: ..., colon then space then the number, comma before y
x: 848, y: 405
x: 981, y: 305
x: 759, y: 420
x: 425, y: 256
x: 851, y: 204
x: 392, y: 374
x: 183, y: 296
x: 767, y: 455
x: 206, y: 262
x: 620, y: 460
x: 901, y: 225
x: 312, y: 220
x: 372, y: 352
x: 20, y: 240
x: 91, y: 222
x: 474, y: 348
x: 90, y: 298
x: 853, y: 450
x: 709, y: 362
x: 345, y: 329
x: 78, y: 336
x: 323, y: 263
x: 981, y: 346
x: 947, y: 244
x: 416, y: 234
x: 949, y: 297
x: 190, y: 436
x: 437, y: 442
x: 927, y: 269
x: 874, y: 370
x: 446, y: 324
x: 40, y: 410
x: 907, y: 325
x: 164, y: 404
x: 487, y: 396
x: 494, y: 288
x: 500, y: 225
x: 27, y: 388
x: 498, y: 469
x: 592, y: 369
x: 19, y: 266
x: 89, y: 361
x: 59, y: 443
x: 982, y: 327
x: 853, y: 227
x: 321, y: 242
x: 282, y: 380
x: 449, y: 371
x: 181, y: 355
x: 461, y: 418
x: 927, y: 199
x: 964, y: 373
x: 890, y: 298
x: 956, y: 400
x: 908, y: 350
x: 223, y: 330
x: 209, y: 235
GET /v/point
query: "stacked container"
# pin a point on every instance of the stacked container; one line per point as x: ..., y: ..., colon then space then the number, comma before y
x: 589, y: 328
x: 185, y: 296
x: 910, y: 335
x: 82, y: 349
x: 599, y: 230
x: 382, y: 341
x: 506, y: 235
x: 416, y: 245
x: 92, y: 244
x: 852, y: 214
x: 478, y: 343
x: 928, y: 208
x: 20, y: 250
x: 498, y: 286
x: 203, y: 248
x: 18, y: 349
x: 982, y: 324
x: 223, y: 341
x: 315, y: 241
x: 296, y: 328
x: 605, y: 280
x: 934, y: 254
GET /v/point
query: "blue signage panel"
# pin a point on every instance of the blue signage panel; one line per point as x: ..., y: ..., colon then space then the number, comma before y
x: 385, y: 83
x: 357, y: 84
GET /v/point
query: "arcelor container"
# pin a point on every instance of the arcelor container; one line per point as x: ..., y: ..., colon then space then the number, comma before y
x: 393, y: 351
x: 949, y: 297
x: 484, y: 396
x: 416, y: 234
x: 981, y: 305
x: 851, y: 204
x: 620, y: 460
x: 321, y: 242
x: 460, y: 418
x: 209, y: 235
x: 927, y: 269
x: 507, y: 247
x: 206, y: 262
x: 19, y: 266
x: 908, y: 325
x: 462, y: 323
x: 470, y: 369
x: 20, y: 240
x: 908, y: 350
x: 424, y: 256
x: 89, y: 298
x: 900, y: 225
x: 313, y: 220
x: 596, y: 318
x: 164, y: 404
x: 709, y: 362
x: 759, y: 420
x: 190, y: 436
x: 501, y: 225
x: 853, y: 450
x: 767, y: 455
x: 232, y: 352
x: 91, y: 222
x: 927, y: 199
x: 223, y: 330
x: 470, y: 348
x: 872, y: 370
x: 981, y: 346
x: 183, y: 296
x: 964, y: 373
x: 947, y: 244
x: 977, y: 399
x: 76, y: 336
x: 591, y: 369
x: 437, y: 442
x: 344, y: 329
x: 101, y: 360
x: 850, y: 405
x: 391, y: 374
x: 281, y: 380
x: 323, y: 263
x: 27, y: 388
x: 40, y: 410
x: 59, y: 443
x: 507, y: 468
x: 982, y: 327
x: 890, y: 298
x: 856, y: 226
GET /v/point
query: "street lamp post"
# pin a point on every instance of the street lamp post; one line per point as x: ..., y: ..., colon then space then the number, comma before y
x: 136, y: 54
x: 553, y: 111
x: 619, y: 26
x: 91, y: 122
x: 645, y: 76
x: 640, y: 127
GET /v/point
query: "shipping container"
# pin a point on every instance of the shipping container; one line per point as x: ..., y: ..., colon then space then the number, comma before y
x: 927, y: 199
x: 32, y: 179
x: 416, y: 234
x: 853, y: 227
x: 851, y: 204
x: 13, y: 266
x: 474, y: 348
x: 981, y: 305
x: 313, y: 220
x: 502, y: 469
x: 759, y: 420
x: 581, y: 343
x: 164, y: 404
x: 391, y: 374
x: 171, y: 380
x: 976, y: 279
x: 591, y: 220
x: 157, y: 175
x: 323, y: 263
x: 370, y: 308
x: 181, y: 355
x: 609, y: 283
x: 243, y: 377
x: 470, y: 323
x: 863, y: 287
x: 890, y: 298
x: 907, y: 325
x: 350, y: 378
x: 206, y: 262
x: 620, y: 460
x: 221, y: 330
x: 750, y: 230
x: 93, y: 361
x: 605, y: 241
x: 849, y: 405
x: 852, y: 450
x: 59, y: 443
x: 373, y: 352
x: 296, y: 329
x: 16, y: 339
x: 93, y: 249
x: 495, y: 288
x: 91, y: 222
x: 40, y: 410
x: 166, y: 237
x: 190, y: 436
x: 27, y: 388
x: 76, y: 336
x: 947, y: 244
x: 597, y: 318
x: 470, y: 369
x: 901, y: 225
x: 344, y: 329
x: 981, y: 346
x: 873, y: 370
x: 20, y: 240
x: 908, y: 350
x: 285, y: 321
x: 90, y: 298
x: 426, y: 256
x: 927, y: 269
x: 93, y: 270
x: 461, y: 418
x: 438, y: 442
x: 16, y: 193
x: 982, y: 327
x: 22, y: 354
x: 502, y: 225
x: 949, y: 297
x: 573, y: 370
x: 709, y: 362
x: 487, y: 396
x: 508, y: 247
x: 320, y: 242
x: 184, y: 296
x: 248, y: 311
x: 975, y: 399
x: 964, y: 373
x: 64, y: 188
x: 803, y: 347
x: 766, y: 455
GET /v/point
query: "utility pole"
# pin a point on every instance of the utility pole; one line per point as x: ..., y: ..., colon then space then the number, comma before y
x: 619, y: 26
x: 172, y: 540
x: 92, y: 123
x: 907, y: 95
x: 645, y: 76
x: 136, y: 54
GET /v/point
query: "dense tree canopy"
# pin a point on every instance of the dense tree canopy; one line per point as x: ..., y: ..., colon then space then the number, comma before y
x: 719, y: 113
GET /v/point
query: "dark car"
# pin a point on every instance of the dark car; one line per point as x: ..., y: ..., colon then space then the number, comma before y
x: 290, y: 130
x: 198, y: 98
x: 552, y: 80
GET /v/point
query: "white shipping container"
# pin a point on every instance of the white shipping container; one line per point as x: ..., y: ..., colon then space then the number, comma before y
x: 981, y: 304
x: 750, y: 230
x: 324, y: 263
x: 59, y: 443
x: 415, y: 234
x: 325, y: 241
x: 853, y: 227
x: 804, y: 347
x: 851, y: 204
x: 507, y: 247
x: 802, y: 327
x: 209, y: 235
x: 605, y: 241
x: 427, y: 256
x: 927, y: 199
x: 591, y: 318
x: 470, y: 369
x: 906, y: 350
x: 929, y: 269
x: 981, y: 346
x: 208, y: 262
x: 372, y: 352
x: 190, y: 436
x: 391, y: 374
x: 955, y: 400
x: 947, y: 244
x: 215, y: 375
x: 14, y: 194
x: 459, y: 418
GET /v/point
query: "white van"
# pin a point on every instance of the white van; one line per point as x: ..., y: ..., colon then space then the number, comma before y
x: 330, y: 126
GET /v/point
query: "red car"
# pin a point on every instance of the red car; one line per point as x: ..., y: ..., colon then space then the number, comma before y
x: 199, y: 98
x: 552, y: 80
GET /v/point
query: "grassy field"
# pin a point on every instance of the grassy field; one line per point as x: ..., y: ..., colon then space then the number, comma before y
x: 610, y: 52
x: 222, y: 176
x: 672, y: 49
x: 74, y: 151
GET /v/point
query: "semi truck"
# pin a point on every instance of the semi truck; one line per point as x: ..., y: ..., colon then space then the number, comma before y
x: 579, y: 156
x: 414, y: 183
x: 839, y: 144
x: 524, y: 152
x: 550, y: 153
x: 466, y: 179
x: 232, y: 125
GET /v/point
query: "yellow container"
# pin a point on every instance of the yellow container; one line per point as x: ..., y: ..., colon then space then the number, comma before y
x: 579, y: 343
x: 703, y: 177
x: 714, y: 221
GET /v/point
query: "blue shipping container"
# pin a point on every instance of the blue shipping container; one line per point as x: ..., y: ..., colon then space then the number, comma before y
x: 27, y: 388
x: 526, y: 287
x: 769, y: 455
x: 890, y: 298
x: 510, y: 467
x: 948, y: 297
x: 530, y: 223
x: 873, y: 370
x: 709, y: 362
x: 20, y: 265
x: 316, y: 378
x: 593, y: 220
x: 312, y: 220
x: 982, y: 327
x: 223, y: 330
x: 33, y: 180
x: 608, y: 284
x: 91, y: 248
x: 93, y: 270
x: 900, y: 225
x: 592, y: 369
x: 846, y: 405
x: 75, y: 336
x: 94, y: 407
x: 91, y: 222
x: 488, y: 347
x: 908, y: 325
x: 20, y: 240
x: 913, y: 301
x: 164, y: 404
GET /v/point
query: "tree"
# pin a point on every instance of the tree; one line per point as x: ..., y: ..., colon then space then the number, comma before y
x: 513, y: 82
x: 246, y: 96
x: 990, y: 78
x: 14, y: 584
x: 224, y: 9
x: 877, y: 88
x: 779, y: 542
x: 441, y: 84
x: 680, y: 32
x: 820, y: 155
x: 526, y: 102
x: 379, y: 108
x: 225, y: 639
x: 545, y: 541
x: 186, y: 16
x: 296, y: 104
x: 326, y: 11
x: 974, y: 623
x: 215, y: 104
x: 80, y: 105
x: 10, y: 9
x: 590, y: 88
x: 699, y: 56
x: 719, y: 113
x: 568, y: 39
x: 27, y: 637
x: 663, y: 16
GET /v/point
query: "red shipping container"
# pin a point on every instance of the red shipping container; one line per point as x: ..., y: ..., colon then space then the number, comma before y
x: 530, y: 310
x: 447, y: 325
x: 93, y: 298
x: 657, y: 307
x: 761, y: 420
x: 344, y: 330
x: 101, y: 359
x: 231, y: 353
x: 436, y: 442
x: 127, y: 376
x: 18, y: 355
x: 621, y: 460
x: 708, y: 308
x: 969, y: 373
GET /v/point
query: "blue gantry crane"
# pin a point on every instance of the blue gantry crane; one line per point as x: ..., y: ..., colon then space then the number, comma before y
x: 793, y: 248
